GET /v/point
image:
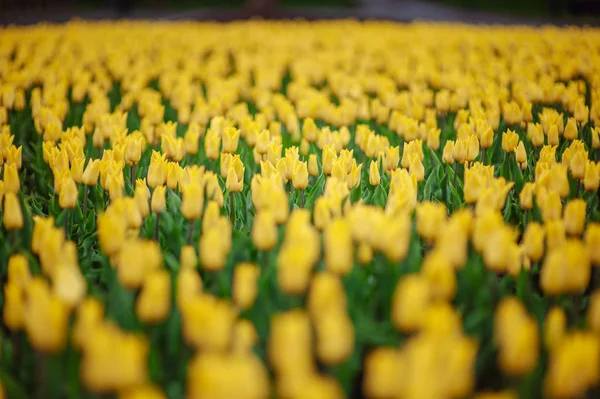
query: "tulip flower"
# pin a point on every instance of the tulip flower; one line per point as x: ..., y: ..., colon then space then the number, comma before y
x: 555, y: 326
x: 154, y: 301
x: 245, y: 288
x: 516, y: 334
x: 13, y: 216
x: 510, y: 140
x: 374, y: 177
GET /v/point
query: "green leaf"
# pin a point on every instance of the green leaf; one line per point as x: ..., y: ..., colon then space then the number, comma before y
x: 379, y: 196
x: 431, y: 184
x: 317, y: 190
x: 12, y: 387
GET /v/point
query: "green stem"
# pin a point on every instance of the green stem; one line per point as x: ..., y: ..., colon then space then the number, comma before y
x: 156, y: 226
x: 232, y: 208
x: 455, y: 173
x: 483, y: 156
x: 67, y: 223
x: 301, y: 198
x: 190, y: 231
x: 132, y: 177
x: 85, y: 200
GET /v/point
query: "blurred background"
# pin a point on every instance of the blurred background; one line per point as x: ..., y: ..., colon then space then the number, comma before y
x: 474, y: 11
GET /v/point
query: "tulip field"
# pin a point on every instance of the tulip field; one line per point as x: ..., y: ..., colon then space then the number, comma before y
x: 299, y: 210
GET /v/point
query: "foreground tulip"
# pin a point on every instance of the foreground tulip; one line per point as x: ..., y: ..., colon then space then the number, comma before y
x: 12, y: 217
x: 264, y: 230
x: 154, y: 301
x: 245, y: 287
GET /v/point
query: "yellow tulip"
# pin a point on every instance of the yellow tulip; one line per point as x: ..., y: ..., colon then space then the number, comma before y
x: 13, y: 216
x: 448, y: 155
x: 231, y: 138
x: 570, y: 132
x: 592, y: 242
x: 555, y: 326
x: 154, y: 302
x: 338, y: 247
x: 510, y: 140
x: 212, y: 144
x: 67, y: 198
x: 157, y: 170
x: 521, y: 155
x: 335, y: 338
x: 572, y: 366
x: 574, y: 216
x: 46, y: 318
x: 264, y: 230
x: 245, y: 288
x: 300, y: 176
x: 235, y: 175
x: 159, y: 203
x: 11, y: 179
x: 192, y: 200
x: 533, y: 241
x: 91, y: 173
x: 188, y: 259
x: 591, y: 179
x: 133, y: 151
x: 411, y: 298
x: 516, y: 334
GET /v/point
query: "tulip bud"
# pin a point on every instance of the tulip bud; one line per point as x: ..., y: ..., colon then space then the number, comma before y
x: 510, y: 140
x: 339, y: 251
x: 157, y: 172
x: 46, y: 318
x: 192, y: 201
x: 448, y: 155
x: 188, y: 258
x: 13, y: 216
x: 213, y: 249
x: 578, y: 165
x: 592, y: 242
x: 555, y: 326
x: 133, y: 152
x: 231, y: 137
x: 67, y: 198
x: 411, y: 298
x: 533, y: 241
x: 212, y: 144
x: 374, y: 177
x: 91, y: 173
x: 14, y: 306
x: 433, y: 138
x: 570, y: 132
x: 574, y: 217
x: 535, y: 133
x: 416, y: 167
x: 191, y: 139
x: 274, y: 153
x: 521, y: 155
x: 262, y: 142
x: 595, y: 132
x: 300, y: 176
x: 391, y: 158
x: 591, y: 180
x: 516, y: 334
x: 245, y: 288
x: 235, y: 175
x: 159, y: 203
x: 11, y: 179
x: 264, y: 230
x: 154, y: 302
